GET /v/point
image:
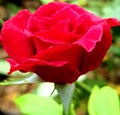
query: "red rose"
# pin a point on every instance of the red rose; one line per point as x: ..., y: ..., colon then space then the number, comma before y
x: 59, y: 42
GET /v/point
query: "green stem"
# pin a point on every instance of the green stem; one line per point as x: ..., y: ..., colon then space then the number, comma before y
x: 85, y: 86
x: 65, y: 91
x: 52, y: 92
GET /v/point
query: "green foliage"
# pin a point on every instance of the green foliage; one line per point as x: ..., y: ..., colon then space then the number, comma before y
x: 1, y: 22
x: 112, y: 9
x: 13, y: 8
x: 83, y: 89
x: 30, y: 104
x: 46, y: 1
x: 103, y: 8
x: 72, y: 111
x: 115, y: 50
x: 104, y: 101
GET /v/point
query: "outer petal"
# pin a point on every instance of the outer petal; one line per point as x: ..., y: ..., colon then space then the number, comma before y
x: 93, y: 59
x: 58, y: 72
x: 58, y: 64
x: 49, y: 9
x: 20, y: 19
x: 16, y: 43
x: 89, y: 40
x: 111, y: 21
x: 70, y: 53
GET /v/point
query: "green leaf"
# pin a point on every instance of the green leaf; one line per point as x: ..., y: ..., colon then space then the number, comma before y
x: 4, y: 66
x: 30, y: 104
x: 72, y: 111
x: 104, y: 101
x: 93, y: 95
x: 66, y: 92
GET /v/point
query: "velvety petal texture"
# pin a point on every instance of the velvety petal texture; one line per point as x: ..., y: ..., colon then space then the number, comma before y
x: 59, y: 41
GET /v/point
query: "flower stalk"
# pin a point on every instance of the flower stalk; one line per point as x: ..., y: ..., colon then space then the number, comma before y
x: 65, y: 92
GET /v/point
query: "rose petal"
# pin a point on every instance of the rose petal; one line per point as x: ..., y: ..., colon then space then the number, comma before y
x: 41, y: 19
x: 36, y: 24
x: 49, y: 9
x: 16, y: 43
x: 89, y: 40
x: 20, y: 19
x: 45, y: 70
x: 112, y: 21
x: 65, y: 13
x: 57, y: 36
x: 32, y: 62
x: 93, y: 58
x: 63, y: 74
x: 40, y: 44
x: 82, y: 24
x: 62, y: 53
x: 65, y: 25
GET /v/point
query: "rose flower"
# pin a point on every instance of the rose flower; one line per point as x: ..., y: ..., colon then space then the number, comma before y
x: 59, y: 41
